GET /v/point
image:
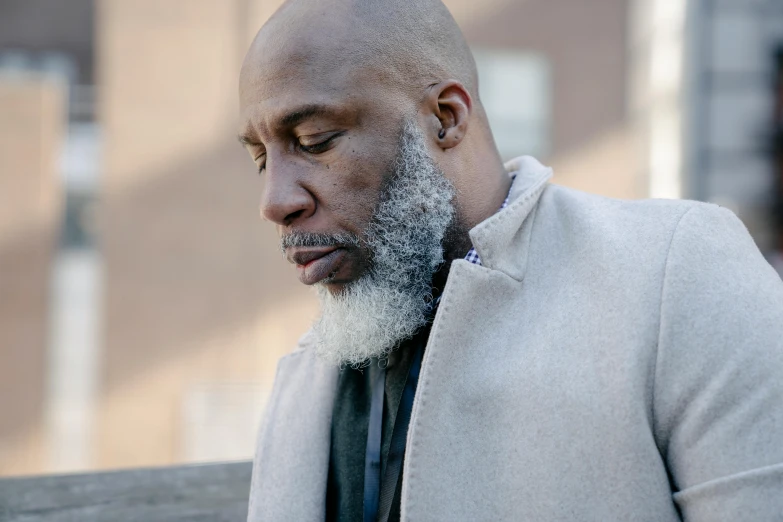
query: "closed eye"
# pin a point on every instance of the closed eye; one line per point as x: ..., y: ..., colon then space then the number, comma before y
x: 321, y: 146
x: 261, y: 166
x: 311, y: 148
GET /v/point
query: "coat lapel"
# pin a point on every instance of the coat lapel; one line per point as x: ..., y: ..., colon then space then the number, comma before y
x: 473, y: 298
x: 502, y: 240
x: 292, y: 458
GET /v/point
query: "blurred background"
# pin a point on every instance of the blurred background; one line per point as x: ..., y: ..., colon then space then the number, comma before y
x: 144, y: 304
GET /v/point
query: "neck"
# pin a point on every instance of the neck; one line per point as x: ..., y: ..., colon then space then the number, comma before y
x: 488, y: 187
x: 484, y: 200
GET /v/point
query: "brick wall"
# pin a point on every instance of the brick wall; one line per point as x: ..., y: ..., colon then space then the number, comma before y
x: 31, y: 132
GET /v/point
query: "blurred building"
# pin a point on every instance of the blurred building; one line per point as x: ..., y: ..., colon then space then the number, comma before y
x: 143, y: 303
x: 43, y: 62
x: 732, y: 83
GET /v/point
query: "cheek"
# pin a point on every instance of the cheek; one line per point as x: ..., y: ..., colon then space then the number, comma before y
x: 353, y: 190
x: 358, y: 197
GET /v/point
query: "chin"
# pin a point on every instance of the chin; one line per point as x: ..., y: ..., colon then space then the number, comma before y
x: 337, y: 283
x: 350, y: 271
x: 333, y: 287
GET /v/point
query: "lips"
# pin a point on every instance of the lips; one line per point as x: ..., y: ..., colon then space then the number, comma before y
x: 302, y: 257
x: 315, y: 264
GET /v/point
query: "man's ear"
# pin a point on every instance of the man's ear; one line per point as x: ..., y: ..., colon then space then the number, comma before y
x: 451, y: 104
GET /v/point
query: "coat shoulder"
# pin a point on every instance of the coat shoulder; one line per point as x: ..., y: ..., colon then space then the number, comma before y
x: 599, y: 209
x: 636, y: 230
x: 306, y: 343
x: 301, y: 361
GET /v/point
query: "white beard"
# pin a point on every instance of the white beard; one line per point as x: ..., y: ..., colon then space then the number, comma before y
x: 391, y: 301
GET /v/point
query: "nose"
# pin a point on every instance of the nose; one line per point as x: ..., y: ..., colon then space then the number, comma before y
x: 284, y: 199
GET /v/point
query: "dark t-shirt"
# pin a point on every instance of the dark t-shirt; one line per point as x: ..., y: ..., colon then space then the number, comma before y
x: 350, y: 420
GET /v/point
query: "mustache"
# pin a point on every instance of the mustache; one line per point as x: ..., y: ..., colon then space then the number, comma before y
x: 316, y: 239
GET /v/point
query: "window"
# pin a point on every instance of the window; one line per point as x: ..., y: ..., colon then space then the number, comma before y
x: 515, y: 89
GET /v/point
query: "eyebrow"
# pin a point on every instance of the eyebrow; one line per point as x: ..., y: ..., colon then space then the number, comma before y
x: 245, y: 140
x: 294, y: 118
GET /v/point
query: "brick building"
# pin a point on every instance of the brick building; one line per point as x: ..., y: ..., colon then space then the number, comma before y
x: 142, y: 319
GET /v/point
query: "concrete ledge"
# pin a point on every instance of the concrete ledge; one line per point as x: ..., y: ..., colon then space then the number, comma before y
x: 213, y: 492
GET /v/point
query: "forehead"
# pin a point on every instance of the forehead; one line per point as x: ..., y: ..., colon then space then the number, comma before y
x: 285, y: 102
x: 276, y: 92
x: 298, y: 50
x: 306, y: 56
x: 275, y: 80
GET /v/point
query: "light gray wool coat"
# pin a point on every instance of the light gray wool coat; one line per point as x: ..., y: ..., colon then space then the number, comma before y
x: 611, y: 361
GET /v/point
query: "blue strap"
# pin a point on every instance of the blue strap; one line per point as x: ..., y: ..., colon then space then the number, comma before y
x: 379, y: 496
x: 372, y: 461
x: 394, y: 461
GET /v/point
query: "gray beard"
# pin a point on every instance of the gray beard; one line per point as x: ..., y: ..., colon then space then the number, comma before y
x: 391, y: 301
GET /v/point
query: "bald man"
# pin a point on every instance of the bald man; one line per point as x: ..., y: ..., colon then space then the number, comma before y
x: 490, y: 347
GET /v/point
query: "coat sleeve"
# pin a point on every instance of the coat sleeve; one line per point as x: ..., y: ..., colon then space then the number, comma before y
x: 718, y: 385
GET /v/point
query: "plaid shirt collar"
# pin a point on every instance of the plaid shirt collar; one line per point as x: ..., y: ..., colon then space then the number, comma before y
x: 473, y: 256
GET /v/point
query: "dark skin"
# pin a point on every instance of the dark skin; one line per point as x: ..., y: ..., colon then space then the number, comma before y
x: 323, y: 132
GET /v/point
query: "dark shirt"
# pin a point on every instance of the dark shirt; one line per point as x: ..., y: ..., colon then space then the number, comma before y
x: 350, y: 420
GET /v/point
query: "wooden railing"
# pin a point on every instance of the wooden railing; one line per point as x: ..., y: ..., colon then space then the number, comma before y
x: 213, y: 492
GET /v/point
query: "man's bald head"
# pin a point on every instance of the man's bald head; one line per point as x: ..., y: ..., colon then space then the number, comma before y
x: 409, y: 44
x: 325, y: 92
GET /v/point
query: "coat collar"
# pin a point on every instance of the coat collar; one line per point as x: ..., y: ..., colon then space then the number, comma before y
x: 501, y: 240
